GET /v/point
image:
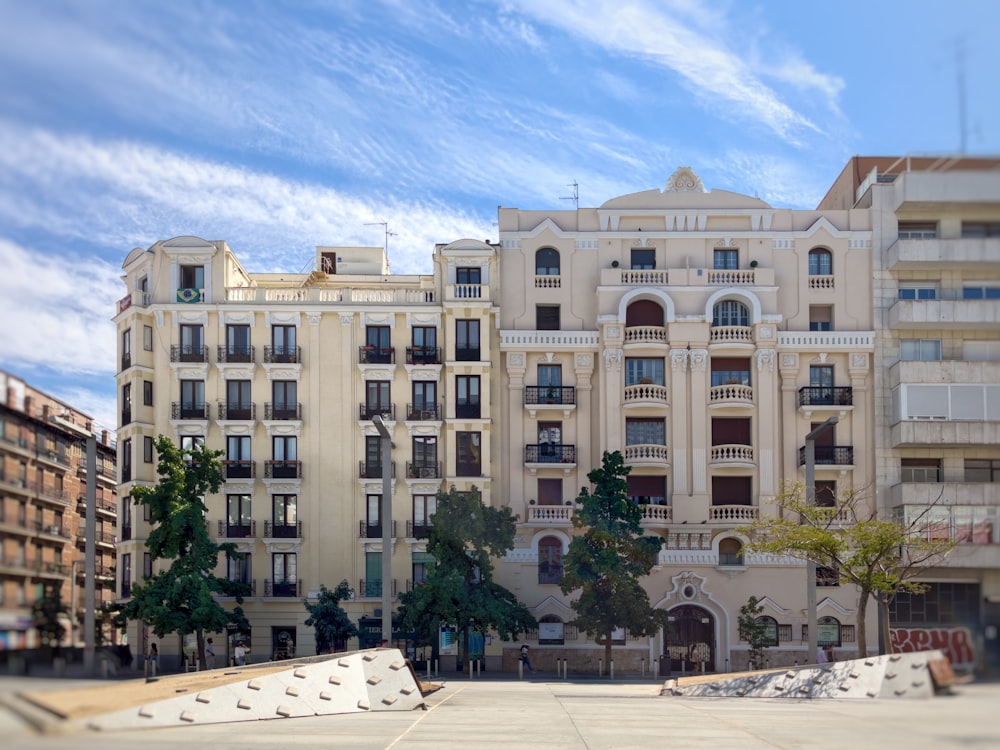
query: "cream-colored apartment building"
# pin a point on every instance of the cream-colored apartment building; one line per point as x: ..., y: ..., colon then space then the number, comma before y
x: 936, y: 276
x: 702, y: 333
x: 283, y: 373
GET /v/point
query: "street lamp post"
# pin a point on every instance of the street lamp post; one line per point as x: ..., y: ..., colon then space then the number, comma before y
x: 810, y: 565
x: 385, y: 515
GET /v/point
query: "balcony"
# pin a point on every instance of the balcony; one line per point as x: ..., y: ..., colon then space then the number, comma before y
x: 732, y: 514
x: 549, y: 453
x: 283, y: 469
x: 187, y: 410
x: 126, y: 417
x: 466, y: 353
x: 740, y: 337
x: 549, y: 573
x: 417, y: 529
x: 929, y: 314
x: 126, y: 362
x: 243, y: 530
x: 732, y: 277
x: 423, y: 355
x: 240, y: 469
x: 549, y: 515
x: 467, y: 410
x: 103, y: 506
x: 282, y: 354
x: 237, y: 411
x: 561, y: 398
x: 984, y: 494
x: 423, y: 413
x: 368, y: 530
x: 461, y: 292
x: 813, y: 396
x: 946, y: 414
x: 656, y: 516
x: 821, y: 283
x: 282, y: 411
x: 105, y: 538
x: 932, y: 252
x: 274, y: 530
x: 51, y: 529
x: 830, y: 455
x: 646, y: 394
x: 366, y: 411
x: 188, y: 353
x: 235, y: 354
x: 373, y: 469
x: 282, y: 588
x: 548, y: 281
x: 731, y: 456
x: 647, y: 455
x: 376, y: 355
x: 637, y: 336
x: 138, y: 299
x: 730, y: 394
x: 423, y: 470
x: 369, y: 589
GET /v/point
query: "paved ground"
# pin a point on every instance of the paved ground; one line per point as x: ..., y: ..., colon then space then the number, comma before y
x: 543, y: 712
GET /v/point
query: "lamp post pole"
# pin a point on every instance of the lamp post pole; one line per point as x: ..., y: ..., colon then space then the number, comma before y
x: 385, y: 516
x: 810, y: 565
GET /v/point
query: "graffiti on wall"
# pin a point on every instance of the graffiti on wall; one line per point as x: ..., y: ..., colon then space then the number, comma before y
x: 956, y: 643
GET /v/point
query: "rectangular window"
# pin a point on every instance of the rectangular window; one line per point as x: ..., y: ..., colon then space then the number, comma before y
x: 468, y: 458
x: 422, y: 564
x: 467, y: 340
x: 126, y: 349
x: 378, y: 399
x: 126, y: 574
x: 920, y: 469
x: 730, y: 371
x: 238, y: 568
x: 645, y: 431
x: 285, y: 448
x: 927, y: 350
x: 147, y: 449
x: 147, y: 393
x: 826, y: 494
x: 820, y: 317
x: 972, y: 229
x: 378, y: 346
x: 982, y: 470
x: 239, y: 403
x: 647, y: 490
x: 147, y: 565
x: 550, y: 492
x: 238, y: 343
x: 192, y: 343
x: 126, y: 403
x: 468, y: 281
x: 147, y: 338
x: 284, y: 510
x: 283, y: 346
x: 424, y: 462
x: 238, y: 516
x: 726, y: 259
x: 285, y: 574
x: 425, y: 404
x: 126, y: 460
x: 643, y: 258
x: 732, y: 490
x: 424, y: 348
x: 980, y: 292
x: 644, y: 371
x: 284, y: 395
x: 547, y: 317
x: 373, y: 574
x: 192, y: 277
x: 424, y: 508
x: 467, y: 397
x: 918, y: 290
x: 732, y: 431
x: 238, y: 458
x: 917, y: 230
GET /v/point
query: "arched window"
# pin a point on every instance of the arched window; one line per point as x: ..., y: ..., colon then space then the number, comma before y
x: 730, y: 313
x: 820, y: 262
x: 827, y: 631
x: 550, y: 567
x: 770, y: 629
x: 644, y: 312
x: 730, y: 552
x: 551, y: 631
x: 547, y: 262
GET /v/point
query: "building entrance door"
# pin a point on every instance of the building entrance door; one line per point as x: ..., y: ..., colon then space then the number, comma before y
x: 690, y: 639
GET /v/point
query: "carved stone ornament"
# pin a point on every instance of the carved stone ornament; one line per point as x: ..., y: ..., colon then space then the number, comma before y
x: 789, y: 360
x: 684, y: 180
x: 584, y: 360
x: 699, y: 360
x: 765, y: 357
x: 346, y: 319
x: 613, y: 358
x: 314, y: 318
x: 679, y: 359
x: 517, y: 360
x: 613, y: 332
x: 859, y: 360
x: 766, y: 332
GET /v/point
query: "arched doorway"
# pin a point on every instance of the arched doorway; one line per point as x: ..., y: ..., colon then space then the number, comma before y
x: 689, y: 639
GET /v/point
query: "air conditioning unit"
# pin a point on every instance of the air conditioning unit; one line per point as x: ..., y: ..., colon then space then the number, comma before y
x: 55, y: 529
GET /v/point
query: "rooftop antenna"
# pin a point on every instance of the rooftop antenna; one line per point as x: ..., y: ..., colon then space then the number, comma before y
x: 385, y: 227
x: 960, y: 69
x: 576, y: 195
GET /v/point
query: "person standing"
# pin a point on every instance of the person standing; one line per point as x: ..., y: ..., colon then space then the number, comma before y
x: 153, y: 658
x: 209, y: 654
x: 524, y: 658
x: 240, y: 654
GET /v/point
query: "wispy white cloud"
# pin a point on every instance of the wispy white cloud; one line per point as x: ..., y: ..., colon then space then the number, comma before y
x: 695, y: 42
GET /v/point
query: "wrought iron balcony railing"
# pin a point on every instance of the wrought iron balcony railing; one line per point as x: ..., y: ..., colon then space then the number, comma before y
x: 373, y: 469
x: 366, y: 411
x: 237, y: 410
x: 278, y: 588
x: 423, y: 355
x: 423, y: 413
x: 550, y: 453
x: 282, y: 410
x: 830, y: 455
x: 376, y: 355
x: 824, y: 395
x: 188, y: 410
x: 283, y: 469
x: 275, y: 530
x: 423, y: 469
x: 188, y: 353
x: 242, y: 530
x: 368, y: 530
x: 240, y: 469
x: 235, y: 354
x: 282, y: 354
x: 556, y: 395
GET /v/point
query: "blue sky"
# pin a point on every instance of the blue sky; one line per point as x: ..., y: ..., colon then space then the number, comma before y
x: 282, y: 126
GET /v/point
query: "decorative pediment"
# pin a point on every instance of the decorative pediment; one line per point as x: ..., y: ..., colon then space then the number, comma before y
x: 684, y: 180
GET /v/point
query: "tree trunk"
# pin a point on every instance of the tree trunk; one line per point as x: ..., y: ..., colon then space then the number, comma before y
x: 200, y: 641
x: 607, y: 653
x: 883, y: 621
x: 465, y: 650
x: 861, y: 621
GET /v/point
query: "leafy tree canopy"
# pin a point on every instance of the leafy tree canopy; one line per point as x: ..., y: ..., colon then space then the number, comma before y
x: 181, y: 597
x: 328, y: 619
x: 881, y: 557
x: 606, y: 562
x: 459, y: 590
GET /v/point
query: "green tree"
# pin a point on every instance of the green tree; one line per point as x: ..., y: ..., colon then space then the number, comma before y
x: 880, y: 557
x: 605, y: 562
x: 464, y: 537
x: 753, y: 631
x: 45, y: 615
x: 329, y: 621
x: 181, y: 597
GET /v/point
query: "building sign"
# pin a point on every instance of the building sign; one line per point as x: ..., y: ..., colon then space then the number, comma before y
x: 550, y: 633
x: 955, y: 643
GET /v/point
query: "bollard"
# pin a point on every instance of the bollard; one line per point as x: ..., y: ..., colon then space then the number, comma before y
x: 428, y: 669
x: 611, y: 669
x: 520, y: 669
x: 600, y: 667
x: 642, y: 667
x: 656, y: 668
x: 565, y: 668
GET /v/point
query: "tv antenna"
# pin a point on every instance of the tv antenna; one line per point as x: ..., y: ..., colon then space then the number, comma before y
x: 576, y: 195
x: 960, y: 70
x: 385, y: 227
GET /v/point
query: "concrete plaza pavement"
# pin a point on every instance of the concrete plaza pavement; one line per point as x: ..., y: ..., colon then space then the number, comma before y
x: 555, y: 714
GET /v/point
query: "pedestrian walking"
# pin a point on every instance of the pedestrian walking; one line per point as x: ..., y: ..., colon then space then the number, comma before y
x: 153, y: 658
x: 209, y: 654
x: 524, y: 658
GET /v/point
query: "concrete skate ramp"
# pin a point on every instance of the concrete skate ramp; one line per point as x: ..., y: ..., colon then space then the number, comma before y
x: 888, y: 676
x: 372, y: 680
